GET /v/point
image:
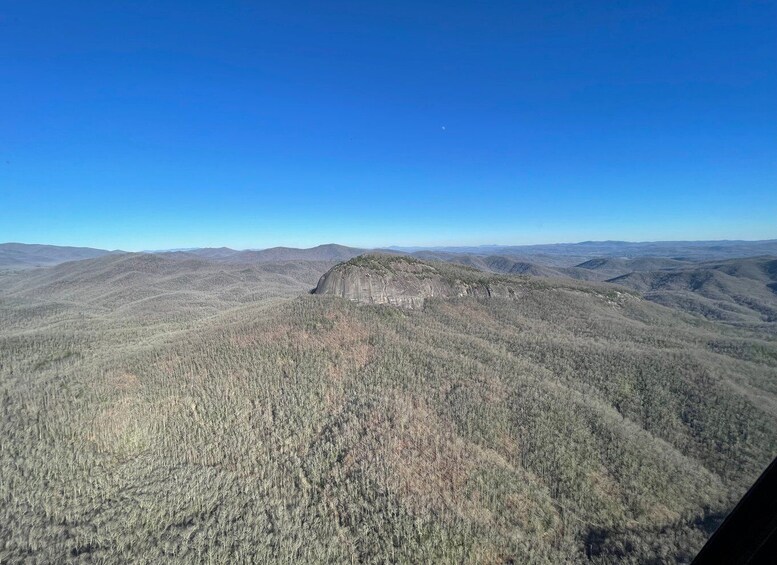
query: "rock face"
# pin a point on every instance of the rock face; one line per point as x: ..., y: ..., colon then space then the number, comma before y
x: 404, y: 282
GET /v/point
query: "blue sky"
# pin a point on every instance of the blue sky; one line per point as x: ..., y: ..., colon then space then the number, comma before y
x: 147, y: 125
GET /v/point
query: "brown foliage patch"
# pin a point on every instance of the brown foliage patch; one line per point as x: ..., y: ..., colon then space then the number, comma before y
x: 121, y: 428
x: 429, y: 464
x: 124, y: 382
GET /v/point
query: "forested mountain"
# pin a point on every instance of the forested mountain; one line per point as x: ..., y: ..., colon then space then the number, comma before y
x: 743, y: 290
x: 170, y: 408
x: 145, y: 287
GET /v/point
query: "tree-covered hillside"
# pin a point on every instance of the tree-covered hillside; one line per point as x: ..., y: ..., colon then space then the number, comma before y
x: 261, y: 423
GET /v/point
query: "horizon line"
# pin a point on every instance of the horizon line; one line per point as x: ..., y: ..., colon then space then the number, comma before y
x: 401, y: 247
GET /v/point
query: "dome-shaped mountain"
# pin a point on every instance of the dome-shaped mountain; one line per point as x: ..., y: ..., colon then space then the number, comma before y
x: 406, y: 282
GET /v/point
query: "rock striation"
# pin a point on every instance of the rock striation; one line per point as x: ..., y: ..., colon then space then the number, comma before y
x: 405, y: 282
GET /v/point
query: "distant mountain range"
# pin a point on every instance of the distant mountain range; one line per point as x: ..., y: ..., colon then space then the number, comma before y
x: 696, y: 250
x: 524, y: 258
x: 24, y: 256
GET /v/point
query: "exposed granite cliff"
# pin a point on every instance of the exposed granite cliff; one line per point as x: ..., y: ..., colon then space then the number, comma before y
x: 406, y: 282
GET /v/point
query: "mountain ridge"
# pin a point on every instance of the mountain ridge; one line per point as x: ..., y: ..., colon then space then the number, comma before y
x: 30, y: 255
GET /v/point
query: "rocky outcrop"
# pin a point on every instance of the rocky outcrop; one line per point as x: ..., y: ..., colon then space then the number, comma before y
x: 405, y: 282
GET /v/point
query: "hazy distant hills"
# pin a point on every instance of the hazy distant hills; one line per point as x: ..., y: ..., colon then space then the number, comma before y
x: 539, y: 260
x: 694, y: 250
x: 25, y: 256
x: 19, y: 255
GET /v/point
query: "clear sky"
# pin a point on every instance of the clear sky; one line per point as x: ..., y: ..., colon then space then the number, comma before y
x: 164, y: 124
